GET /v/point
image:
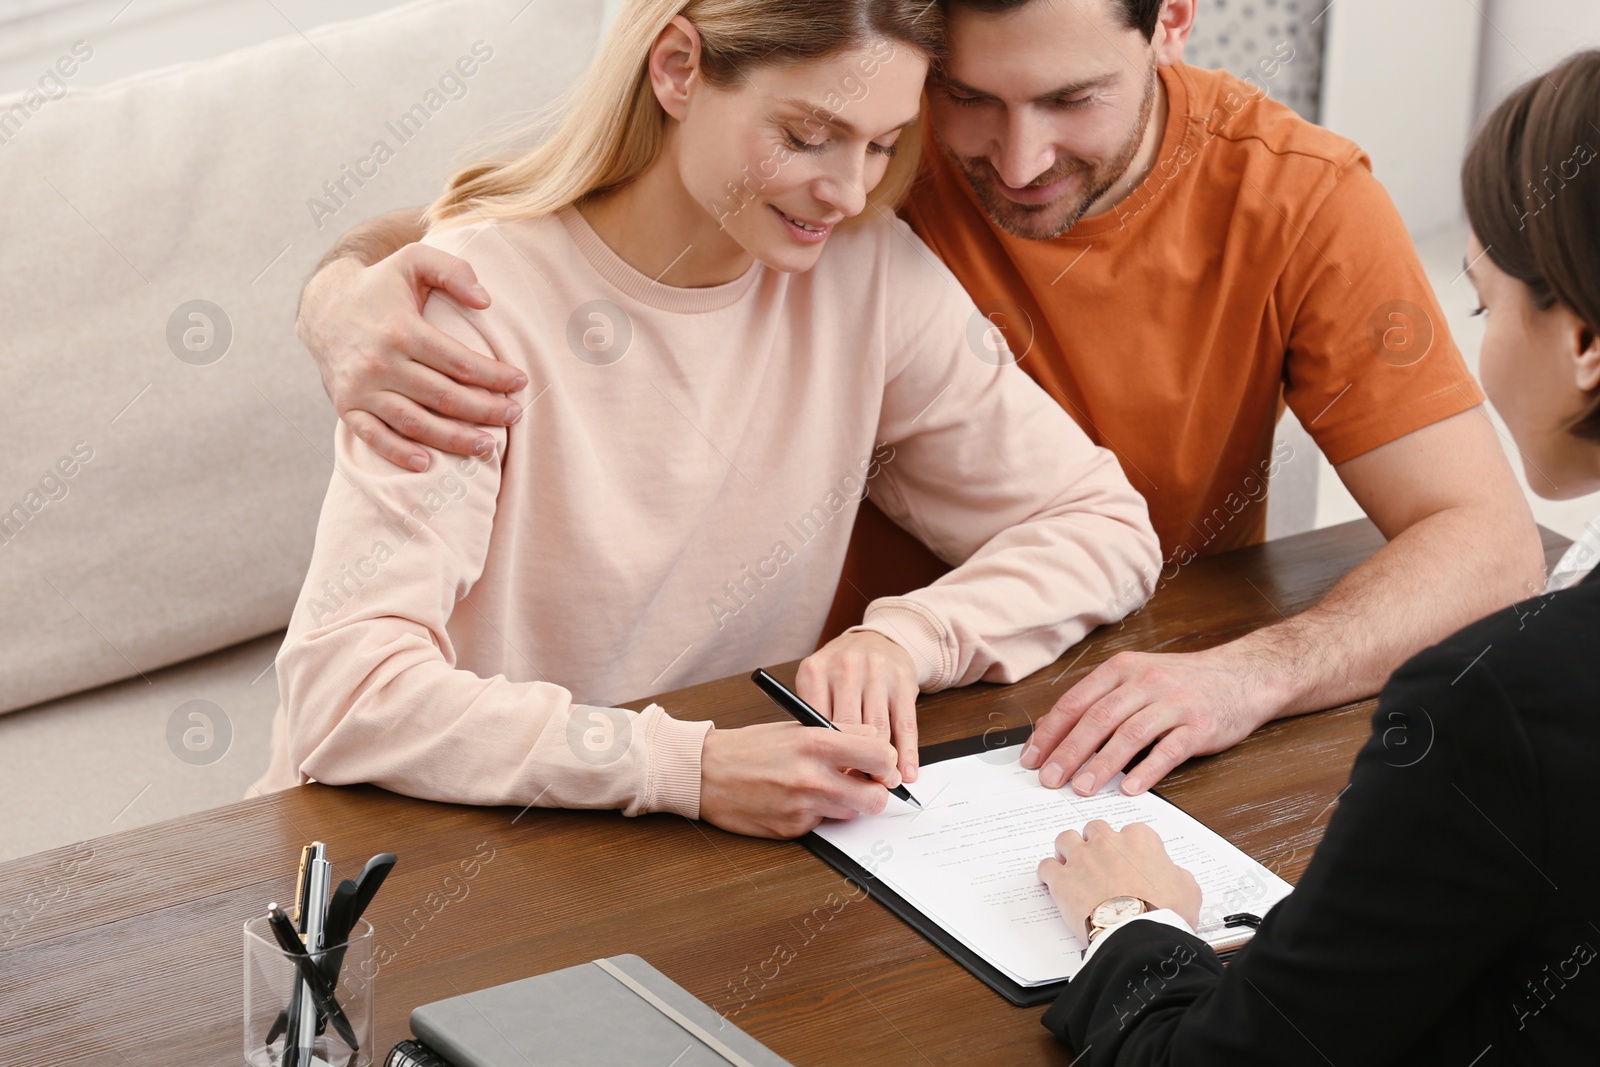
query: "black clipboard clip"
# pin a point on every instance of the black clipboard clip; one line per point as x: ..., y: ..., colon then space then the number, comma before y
x: 1243, y: 918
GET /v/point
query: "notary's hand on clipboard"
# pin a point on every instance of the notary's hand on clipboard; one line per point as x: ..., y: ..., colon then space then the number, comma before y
x: 1100, y: 863
x: 968, y: 865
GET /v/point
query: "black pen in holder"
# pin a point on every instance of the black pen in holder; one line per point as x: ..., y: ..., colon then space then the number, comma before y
x: 271, y: 977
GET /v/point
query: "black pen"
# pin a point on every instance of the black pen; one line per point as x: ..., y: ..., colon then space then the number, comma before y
x: 806, y: 715
x: 315, y: 980
x: 345, y: 907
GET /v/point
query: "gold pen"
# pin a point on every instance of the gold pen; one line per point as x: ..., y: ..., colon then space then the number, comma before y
x: 302, y: 887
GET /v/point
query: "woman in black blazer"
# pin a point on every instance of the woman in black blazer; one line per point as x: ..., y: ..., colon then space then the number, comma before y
x: 1451, y: 914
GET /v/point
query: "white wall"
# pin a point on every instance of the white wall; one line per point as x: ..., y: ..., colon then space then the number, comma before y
x: 1413, y: 108
x: 1528, y: 38
x: 1399, y: 79
x: 1410, y: 80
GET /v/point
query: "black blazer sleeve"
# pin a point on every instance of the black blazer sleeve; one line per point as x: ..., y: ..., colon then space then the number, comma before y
x: 1437, y: 842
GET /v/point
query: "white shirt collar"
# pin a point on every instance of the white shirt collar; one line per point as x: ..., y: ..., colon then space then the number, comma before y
x: 1579, y: 559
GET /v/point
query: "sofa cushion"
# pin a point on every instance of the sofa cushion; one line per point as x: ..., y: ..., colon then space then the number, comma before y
x: 166, y: 439
x: 176, y: 741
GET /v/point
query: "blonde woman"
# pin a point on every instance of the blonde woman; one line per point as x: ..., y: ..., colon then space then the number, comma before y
x: 722, y: 333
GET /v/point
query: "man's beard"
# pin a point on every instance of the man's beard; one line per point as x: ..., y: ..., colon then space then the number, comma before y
x: 1033, y: 221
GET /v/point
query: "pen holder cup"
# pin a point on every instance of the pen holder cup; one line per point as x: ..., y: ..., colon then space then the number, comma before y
x: 273, y: 989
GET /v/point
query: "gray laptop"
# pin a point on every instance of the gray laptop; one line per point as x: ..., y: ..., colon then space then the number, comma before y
x: 615, y: 1012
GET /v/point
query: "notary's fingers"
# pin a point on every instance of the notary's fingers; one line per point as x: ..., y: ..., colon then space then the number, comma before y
x: 1066, y: 842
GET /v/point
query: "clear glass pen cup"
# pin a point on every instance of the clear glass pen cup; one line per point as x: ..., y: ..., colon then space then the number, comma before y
x: 273, y: 992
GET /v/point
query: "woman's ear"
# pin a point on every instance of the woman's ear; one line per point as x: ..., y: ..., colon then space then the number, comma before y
x: 1586, y: 349
x: 674, y: 64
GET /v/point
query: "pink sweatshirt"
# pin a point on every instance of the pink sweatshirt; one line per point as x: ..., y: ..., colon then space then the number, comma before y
x: 674, y: 507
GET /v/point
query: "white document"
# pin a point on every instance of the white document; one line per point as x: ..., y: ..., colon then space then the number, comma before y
x: 969, y: 859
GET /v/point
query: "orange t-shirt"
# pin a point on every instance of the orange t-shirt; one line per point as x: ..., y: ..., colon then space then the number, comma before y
x: 1260, y: 263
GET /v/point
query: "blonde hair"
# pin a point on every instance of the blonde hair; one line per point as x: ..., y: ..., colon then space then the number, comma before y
x: 610, y: 127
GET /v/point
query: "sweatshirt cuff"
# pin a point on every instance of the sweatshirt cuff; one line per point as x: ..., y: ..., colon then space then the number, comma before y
x: 918, y: 631
x: 672, y: 781
x: 1160, y: 915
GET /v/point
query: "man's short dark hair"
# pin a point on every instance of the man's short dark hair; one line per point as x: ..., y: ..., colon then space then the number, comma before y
x: 1138, y: 15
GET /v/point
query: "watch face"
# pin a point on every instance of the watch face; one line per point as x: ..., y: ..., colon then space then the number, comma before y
x: 1116, y: 909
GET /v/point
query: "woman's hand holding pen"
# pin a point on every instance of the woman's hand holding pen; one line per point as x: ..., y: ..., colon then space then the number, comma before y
x: 865, y: 677
x: 780, y: 779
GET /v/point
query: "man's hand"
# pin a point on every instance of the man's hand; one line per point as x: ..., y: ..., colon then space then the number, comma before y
x: 1186, y: 704
x: 1101, y: 863
x: 781, y: 779
x: 865, y: 677
x: 393, y: 378
x: 1461, y: 544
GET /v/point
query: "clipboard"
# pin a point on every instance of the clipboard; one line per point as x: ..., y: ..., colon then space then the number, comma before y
x: 991, y: 976
x: 1226, y: 945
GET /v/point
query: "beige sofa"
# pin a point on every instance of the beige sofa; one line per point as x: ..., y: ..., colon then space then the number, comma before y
x: 165, y: 460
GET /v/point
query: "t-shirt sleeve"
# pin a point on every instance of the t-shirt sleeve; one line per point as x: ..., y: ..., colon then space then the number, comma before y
x: 1369, y: 353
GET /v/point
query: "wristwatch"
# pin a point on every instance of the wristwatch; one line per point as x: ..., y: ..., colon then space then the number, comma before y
x: 1109, y: 913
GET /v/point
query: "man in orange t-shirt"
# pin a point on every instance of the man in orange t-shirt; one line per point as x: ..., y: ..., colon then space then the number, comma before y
x: 1173, y: 257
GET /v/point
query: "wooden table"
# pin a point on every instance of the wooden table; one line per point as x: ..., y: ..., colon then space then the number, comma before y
x: 126, y: 949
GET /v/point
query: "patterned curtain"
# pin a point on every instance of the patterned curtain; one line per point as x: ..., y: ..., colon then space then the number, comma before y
x: 1276, y: 44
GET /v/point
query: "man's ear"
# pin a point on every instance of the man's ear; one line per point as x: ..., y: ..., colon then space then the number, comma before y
x: 1173, y: 27
x: 674, y: 63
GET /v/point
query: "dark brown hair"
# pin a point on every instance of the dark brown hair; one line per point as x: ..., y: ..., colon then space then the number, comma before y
x: 1531, y: 182
x: 1138, y: 15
